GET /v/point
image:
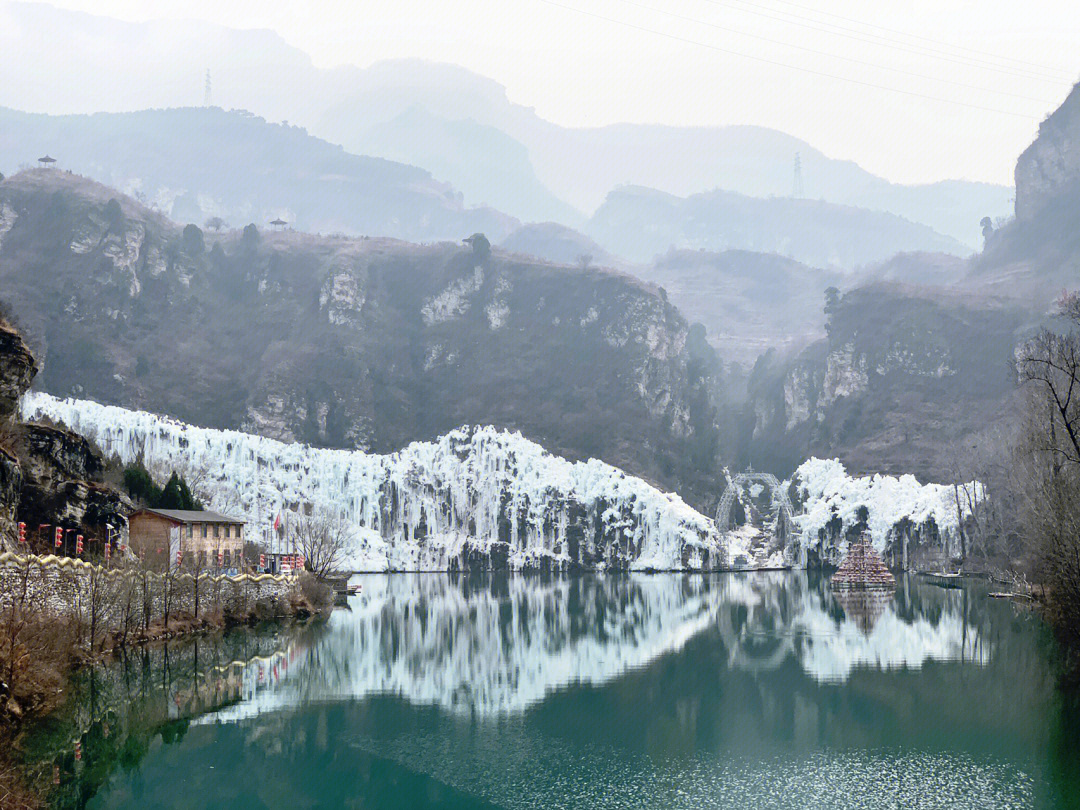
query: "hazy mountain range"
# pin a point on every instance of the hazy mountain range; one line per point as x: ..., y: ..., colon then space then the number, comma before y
x: 641, y: 223
x: 434, y: 115
x: 196, y: 162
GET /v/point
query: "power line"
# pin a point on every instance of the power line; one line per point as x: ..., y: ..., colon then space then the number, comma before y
x: 776, y: 63
x: 860, y: 36
x: 838, y: 56
x: 1064, y: 74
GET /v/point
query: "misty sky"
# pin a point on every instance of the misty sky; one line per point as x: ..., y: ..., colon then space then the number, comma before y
x: 1016, y: 62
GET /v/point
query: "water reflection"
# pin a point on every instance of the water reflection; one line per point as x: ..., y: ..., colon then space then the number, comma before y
x: 725, y: 691
x: 115, y: 710
x: 497, y: 645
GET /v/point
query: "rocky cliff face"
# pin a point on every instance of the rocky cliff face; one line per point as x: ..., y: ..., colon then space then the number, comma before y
x: 351, y: 343
x: 47, y: 474
x: 904, y: 373
x: 1048, y: 171
x: 17, y: 369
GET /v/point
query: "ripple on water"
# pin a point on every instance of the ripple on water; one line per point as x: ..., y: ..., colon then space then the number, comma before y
x: 569, y: 780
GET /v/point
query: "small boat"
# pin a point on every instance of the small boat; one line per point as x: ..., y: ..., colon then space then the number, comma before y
x: 355, y: 589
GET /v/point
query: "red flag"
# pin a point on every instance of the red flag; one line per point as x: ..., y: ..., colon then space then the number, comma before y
x: 277, y: 522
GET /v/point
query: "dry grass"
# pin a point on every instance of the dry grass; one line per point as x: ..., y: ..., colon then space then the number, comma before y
x: 15, y: 794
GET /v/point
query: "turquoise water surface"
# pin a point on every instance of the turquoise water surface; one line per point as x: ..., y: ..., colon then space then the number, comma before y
x: 621, y: 691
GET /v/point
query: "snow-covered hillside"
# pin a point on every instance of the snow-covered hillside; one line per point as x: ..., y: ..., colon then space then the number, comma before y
x: 831, y: 502
x: 476, y: 496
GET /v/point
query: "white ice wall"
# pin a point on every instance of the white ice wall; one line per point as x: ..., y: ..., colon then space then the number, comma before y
x: 419, y: 508
x: 828, y: 490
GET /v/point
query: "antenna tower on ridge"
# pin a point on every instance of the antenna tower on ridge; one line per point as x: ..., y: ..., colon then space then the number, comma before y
x: 797, y: 186
x: 207, y: 100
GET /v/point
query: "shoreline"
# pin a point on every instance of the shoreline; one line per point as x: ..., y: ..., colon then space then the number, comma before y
x: 59, y: 654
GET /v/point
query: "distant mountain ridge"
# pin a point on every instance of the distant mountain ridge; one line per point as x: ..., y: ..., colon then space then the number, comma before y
x: 195, y: 162
x: 641, y: 223
x: 358, y: 107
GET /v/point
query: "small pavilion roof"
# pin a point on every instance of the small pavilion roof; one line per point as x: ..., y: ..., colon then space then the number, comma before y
x: 46, y: 159
x: 278, y: 222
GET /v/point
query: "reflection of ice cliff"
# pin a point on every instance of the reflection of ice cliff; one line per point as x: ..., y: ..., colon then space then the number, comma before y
x: 473, y: 498
x: 499, y: 647
x: 768, y: 616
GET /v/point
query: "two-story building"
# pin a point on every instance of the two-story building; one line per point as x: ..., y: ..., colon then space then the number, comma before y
x: 203, y: 539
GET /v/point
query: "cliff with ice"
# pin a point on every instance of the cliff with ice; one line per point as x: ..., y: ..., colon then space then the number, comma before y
x: 898, y: 512
x: 476, y: 497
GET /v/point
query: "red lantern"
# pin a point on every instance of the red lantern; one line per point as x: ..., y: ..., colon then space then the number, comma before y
x: 59, y: 536
x: 179, y: 558
x: 22, y: 532
x: 220, y: 558
x: 108, y: 549
x: 262, y: 561
x: 78, y: 544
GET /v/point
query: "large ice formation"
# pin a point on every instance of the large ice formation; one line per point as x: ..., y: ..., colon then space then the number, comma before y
x: 895, y: 506
x: 476, y: 496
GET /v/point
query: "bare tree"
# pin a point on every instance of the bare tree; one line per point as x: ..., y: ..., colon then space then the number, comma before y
x: 323, y: 538
x: 1049, y: 368
x: 215, y: 223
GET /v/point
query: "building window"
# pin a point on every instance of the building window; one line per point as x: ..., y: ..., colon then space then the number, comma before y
x: 216, y: 527
x: 204, y: 530
x: 190, y: 531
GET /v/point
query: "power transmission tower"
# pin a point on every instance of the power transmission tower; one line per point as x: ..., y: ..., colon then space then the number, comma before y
x: 207, y: 100
x: 797, y: 186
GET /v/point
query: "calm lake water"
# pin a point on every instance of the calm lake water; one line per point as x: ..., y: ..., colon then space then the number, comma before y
x: 658, y: 691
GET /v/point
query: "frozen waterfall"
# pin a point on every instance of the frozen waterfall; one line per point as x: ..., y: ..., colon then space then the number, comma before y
x: 476, y: 496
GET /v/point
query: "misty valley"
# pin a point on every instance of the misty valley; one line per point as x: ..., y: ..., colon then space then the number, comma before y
x: 699, y: 437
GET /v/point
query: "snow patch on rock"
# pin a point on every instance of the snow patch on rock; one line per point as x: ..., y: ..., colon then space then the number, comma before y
x: 7, y: 220
x: 454, y: 300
